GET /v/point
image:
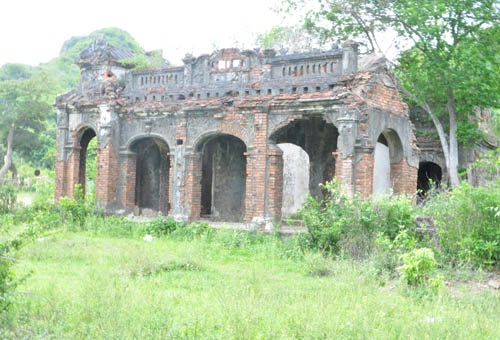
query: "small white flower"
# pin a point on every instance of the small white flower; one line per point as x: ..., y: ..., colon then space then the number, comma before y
x: 40, y: 239
x: 148, y: 238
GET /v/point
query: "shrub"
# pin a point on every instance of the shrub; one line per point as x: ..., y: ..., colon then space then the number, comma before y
x: 388, y: 254
x: 75, y: 209
x: 467, y: 219
x: 418, y: 266
x: 349, y: 226
x: 163, y: 226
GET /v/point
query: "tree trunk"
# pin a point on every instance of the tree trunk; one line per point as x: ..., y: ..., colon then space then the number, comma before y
x: 450, y: 150
x: 13, y: 169
x: 8, y: 155
x: 453, y: 161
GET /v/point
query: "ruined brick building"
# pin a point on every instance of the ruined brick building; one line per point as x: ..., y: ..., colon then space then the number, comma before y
x: 234, y: 135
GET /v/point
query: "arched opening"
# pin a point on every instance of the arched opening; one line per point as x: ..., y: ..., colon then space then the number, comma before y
x: 152, y: 174
x: 429, y: 177
x: 88, y: 161
x: 387, y: 154
x: 319, y: 140
x: 223, y: 178
x: 295, y: 178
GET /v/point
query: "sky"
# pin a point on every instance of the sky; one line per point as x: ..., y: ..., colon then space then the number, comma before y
x: 33, y: 31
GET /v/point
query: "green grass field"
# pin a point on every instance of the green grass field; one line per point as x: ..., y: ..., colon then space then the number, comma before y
x: 224, y: 285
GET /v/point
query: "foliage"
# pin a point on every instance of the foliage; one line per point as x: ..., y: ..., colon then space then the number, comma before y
x: 287, y: 39
x: 342, y: 225
x: 448, y: 65
x: 163, y: 226
x: 77, y: 208
x: 8, y: 196
x: 140, y: 61
x: 7, y: 283
x: 24, y: 107
x: 388, y: 254
x: 467, y: 219
x: 418, y: 266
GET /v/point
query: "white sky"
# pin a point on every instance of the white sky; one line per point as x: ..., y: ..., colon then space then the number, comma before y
x: 33, y: 31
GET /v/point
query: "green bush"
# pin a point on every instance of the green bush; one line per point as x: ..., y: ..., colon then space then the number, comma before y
x: 8, y: 196
x: 348, y: 226
x: 468, y: 221
x: 163, y: 226
x: 76, y: 209
x: 418, y: 267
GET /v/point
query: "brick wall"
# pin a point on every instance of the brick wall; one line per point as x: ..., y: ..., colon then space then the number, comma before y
x: 107, y: 175
x: 403, y: 177
x: 364, y: 175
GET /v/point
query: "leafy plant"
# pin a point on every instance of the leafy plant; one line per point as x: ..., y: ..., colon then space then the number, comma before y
x: 163, y: 226
x: 467, y: 219
x: 75, y: 209
x: 349, y: 226
x: 418, y: 266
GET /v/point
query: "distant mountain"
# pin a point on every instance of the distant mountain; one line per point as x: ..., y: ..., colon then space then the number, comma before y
x: 64, y: 66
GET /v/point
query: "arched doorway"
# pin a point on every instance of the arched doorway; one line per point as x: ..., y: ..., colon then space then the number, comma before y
x: 387, y: 154
x: 429, y: 177
x: 88, y: 160
x: 152, y: 174
x: 223, y: 178
x: 318, y: 139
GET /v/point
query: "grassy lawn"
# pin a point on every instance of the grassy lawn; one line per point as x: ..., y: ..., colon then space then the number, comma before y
x: 228, y: 285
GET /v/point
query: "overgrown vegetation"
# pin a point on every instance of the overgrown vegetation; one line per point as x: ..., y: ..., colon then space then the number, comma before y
x: 112, y: 277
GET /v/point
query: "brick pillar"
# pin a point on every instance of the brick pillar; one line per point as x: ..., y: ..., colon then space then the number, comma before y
x: 60, y: 166
x: 344, y: 174
x: 364, y: 173
x: 164, y: 185
x: 345, y: 156
x: 128, y: 168
x: 275, y: 183
x: 256, y: 182
x: 107, y: 174
x: 191, y: 192
x: 72, y: 169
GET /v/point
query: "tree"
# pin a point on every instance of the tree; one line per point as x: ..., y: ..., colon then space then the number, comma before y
x: 287, y: 38
x: 24, y: 106
x: 452, y: 66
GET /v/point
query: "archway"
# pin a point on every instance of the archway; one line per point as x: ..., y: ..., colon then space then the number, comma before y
x: 387, y: 154
x: 223, y: 178
x: 88, y: 160
x: 319, y: 140
x: 429, y: 177
x: 152, y: 174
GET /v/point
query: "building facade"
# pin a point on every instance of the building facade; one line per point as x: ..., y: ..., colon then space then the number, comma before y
x: 237, y: 136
